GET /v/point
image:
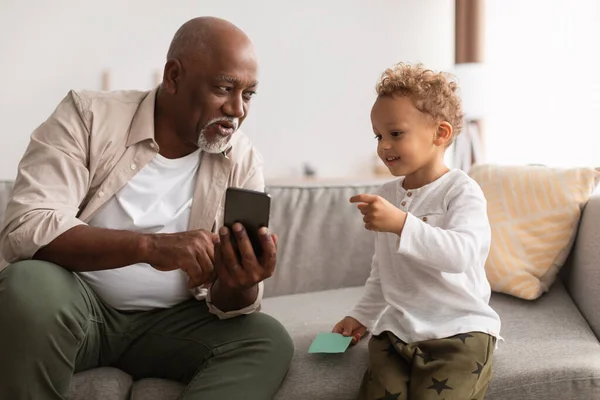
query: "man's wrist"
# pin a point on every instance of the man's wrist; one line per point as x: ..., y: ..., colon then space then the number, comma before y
x: 227, y: 298
x: 249, y: 293
x: 145, y: 245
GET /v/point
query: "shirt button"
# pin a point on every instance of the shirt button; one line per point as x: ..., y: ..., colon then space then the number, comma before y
x: 133, y: 166
x: 425, y: 219
x: 100, y: 194
x: 153, y: 145
x: 403, y: 203
x: 409, y: 194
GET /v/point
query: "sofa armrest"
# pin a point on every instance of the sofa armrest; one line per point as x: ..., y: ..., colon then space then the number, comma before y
x: 583, y: 276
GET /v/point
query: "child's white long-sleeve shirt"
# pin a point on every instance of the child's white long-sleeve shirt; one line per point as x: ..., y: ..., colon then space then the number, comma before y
x: 430, y: 282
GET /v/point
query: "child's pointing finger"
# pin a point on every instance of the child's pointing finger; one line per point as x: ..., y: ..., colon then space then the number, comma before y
x: 364, y: 198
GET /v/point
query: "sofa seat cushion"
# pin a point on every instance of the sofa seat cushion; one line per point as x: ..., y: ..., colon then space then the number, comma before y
x: 100, y: 383
x: 156, y: 389
x: 548, y: 352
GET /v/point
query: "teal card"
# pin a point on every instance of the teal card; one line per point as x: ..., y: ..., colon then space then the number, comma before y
x: 330, y: 343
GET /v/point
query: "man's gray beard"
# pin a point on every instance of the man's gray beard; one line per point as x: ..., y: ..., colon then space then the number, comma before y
x: 218, y: 145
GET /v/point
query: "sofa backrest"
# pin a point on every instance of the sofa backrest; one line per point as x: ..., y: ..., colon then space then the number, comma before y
x: 323, y: 244
x: 322, y: 240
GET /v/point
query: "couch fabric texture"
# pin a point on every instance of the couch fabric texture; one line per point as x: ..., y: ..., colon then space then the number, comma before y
x: 550, y: 349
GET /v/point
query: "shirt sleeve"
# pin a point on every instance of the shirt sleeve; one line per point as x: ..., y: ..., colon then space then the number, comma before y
x: 51, y: 184
x: 372, y: 304
x: 461, y: 244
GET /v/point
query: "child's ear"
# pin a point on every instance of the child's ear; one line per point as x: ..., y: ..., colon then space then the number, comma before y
x: 443, y: 134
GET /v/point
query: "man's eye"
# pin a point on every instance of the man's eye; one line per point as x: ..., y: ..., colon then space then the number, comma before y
x: 224, y: 88
x: 395, y: 134
x: 249, y: 95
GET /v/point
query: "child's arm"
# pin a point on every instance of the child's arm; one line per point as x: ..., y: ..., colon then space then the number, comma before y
x: 450, y: 250
x: 456, y: 248
x: 368, y: 310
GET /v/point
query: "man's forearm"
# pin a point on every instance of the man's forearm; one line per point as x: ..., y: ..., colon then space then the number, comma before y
x: 228, y: 299
x: 85, y: 248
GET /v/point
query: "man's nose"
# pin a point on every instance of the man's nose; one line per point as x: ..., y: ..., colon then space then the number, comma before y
x: 234, y: 106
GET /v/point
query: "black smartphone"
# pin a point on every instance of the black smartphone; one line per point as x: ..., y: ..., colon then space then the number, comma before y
x: 251, y: 209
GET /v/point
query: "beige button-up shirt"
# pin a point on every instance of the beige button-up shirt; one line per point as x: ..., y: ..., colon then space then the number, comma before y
x: 87, y: 150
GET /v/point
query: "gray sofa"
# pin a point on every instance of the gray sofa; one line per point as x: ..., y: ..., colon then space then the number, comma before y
x: 551, y: 349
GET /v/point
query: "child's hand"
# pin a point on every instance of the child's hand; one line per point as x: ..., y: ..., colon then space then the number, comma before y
x: 351, y: 327
x: 379, y: 214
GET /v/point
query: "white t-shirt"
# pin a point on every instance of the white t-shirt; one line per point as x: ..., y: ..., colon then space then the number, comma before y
x: 430, y: 282
x: 156, y: 200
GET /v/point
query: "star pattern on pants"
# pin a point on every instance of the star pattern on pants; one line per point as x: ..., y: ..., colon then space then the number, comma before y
x: 390, y: 396
x: 478, y: 370
x: 462, y: 337
x: 439, y: 386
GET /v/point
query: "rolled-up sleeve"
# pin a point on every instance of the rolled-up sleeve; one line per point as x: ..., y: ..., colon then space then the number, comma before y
x: 51, y: 183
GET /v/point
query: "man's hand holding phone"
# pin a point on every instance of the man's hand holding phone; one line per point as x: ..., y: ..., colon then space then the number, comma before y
x: 245, y: 250
x: 246, y: 271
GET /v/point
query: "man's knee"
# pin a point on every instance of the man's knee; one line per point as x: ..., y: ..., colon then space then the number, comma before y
x: 277, y: 340
x: 33, y: 293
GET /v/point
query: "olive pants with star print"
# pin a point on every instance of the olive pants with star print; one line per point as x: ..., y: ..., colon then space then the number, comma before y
x: 454, y: 368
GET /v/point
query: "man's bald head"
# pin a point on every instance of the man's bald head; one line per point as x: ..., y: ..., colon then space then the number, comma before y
x: 203, y: 35
x: 209, y: 79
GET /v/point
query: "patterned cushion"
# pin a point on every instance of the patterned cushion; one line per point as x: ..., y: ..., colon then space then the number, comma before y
x: 534, y: 213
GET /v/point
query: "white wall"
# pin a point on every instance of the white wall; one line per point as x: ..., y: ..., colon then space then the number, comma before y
x: 319, y: 63
x: 543, y: 97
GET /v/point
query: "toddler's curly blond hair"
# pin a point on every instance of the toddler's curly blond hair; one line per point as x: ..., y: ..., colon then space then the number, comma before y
x: 432, y: 93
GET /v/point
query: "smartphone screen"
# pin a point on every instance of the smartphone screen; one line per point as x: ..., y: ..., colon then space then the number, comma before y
x: 251, y: 209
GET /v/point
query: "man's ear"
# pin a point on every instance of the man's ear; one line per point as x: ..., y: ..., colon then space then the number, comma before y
x: 172, y: 76
x: 443, y: 134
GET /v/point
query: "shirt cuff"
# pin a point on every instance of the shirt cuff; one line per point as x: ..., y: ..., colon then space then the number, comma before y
x: 404, y: 242
x: 234, y: 313
x: 366, y: 317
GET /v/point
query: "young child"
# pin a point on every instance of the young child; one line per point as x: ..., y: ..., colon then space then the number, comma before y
x: 426, y: 300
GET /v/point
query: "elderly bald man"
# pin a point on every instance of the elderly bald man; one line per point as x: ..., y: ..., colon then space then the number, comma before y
x: 111, y: 232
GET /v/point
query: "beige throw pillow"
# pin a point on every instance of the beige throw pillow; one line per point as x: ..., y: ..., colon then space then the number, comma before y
x: 534, y: 214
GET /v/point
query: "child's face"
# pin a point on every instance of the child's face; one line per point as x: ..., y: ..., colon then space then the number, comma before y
x: 405, y: 135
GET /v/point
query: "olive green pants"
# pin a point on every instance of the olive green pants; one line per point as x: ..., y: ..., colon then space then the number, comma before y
x: 53, y: 325
x: 454, y: 368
